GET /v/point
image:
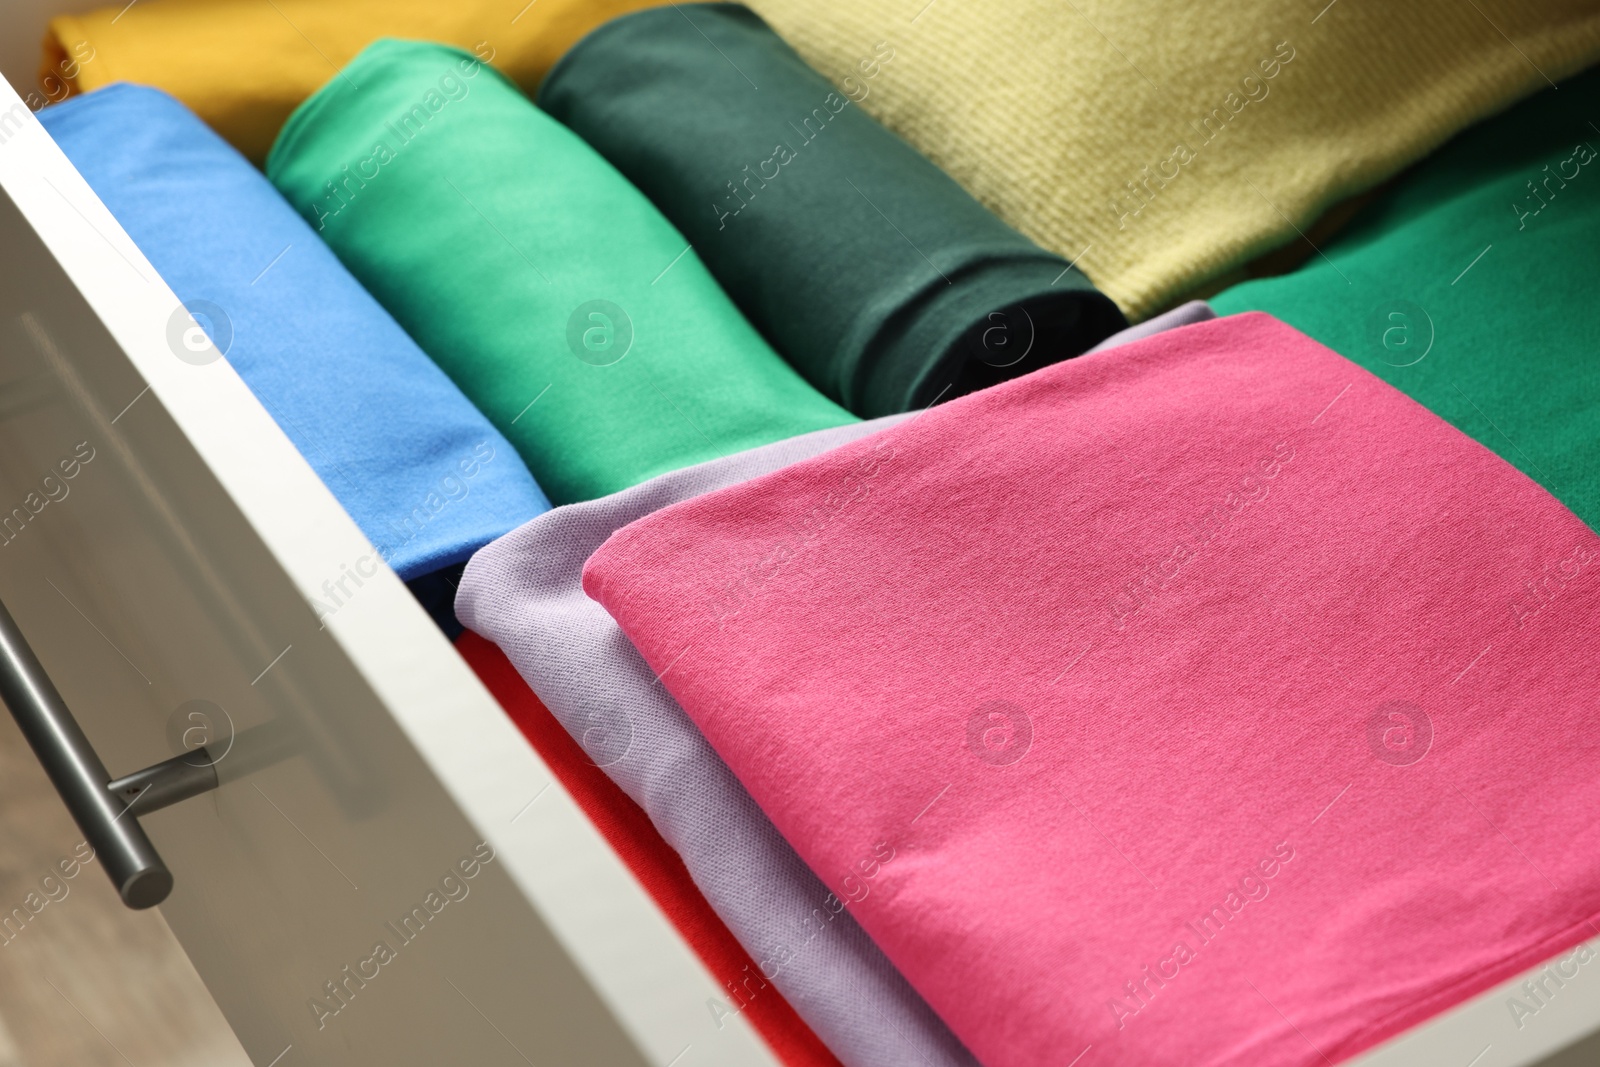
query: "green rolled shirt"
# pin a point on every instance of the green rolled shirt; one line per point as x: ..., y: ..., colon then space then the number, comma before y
x: 1471, y: 286
x: 877, y: 276
x: 546, y: 286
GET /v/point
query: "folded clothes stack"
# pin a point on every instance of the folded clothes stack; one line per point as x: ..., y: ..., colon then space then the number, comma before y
x: 1166, y: 693
x: 525, y: 593
x: 1102, y: 801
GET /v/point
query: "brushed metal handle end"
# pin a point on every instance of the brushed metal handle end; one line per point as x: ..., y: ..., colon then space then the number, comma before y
x: 146, y: 888
x: 106, y: 811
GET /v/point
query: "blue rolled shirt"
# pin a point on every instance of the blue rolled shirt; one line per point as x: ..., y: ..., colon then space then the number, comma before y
x: 416, y: 465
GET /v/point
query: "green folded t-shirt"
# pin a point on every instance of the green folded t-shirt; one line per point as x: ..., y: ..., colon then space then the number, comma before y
x: 1471, y: 286
x: 868, y: 267
x: 554, y: 294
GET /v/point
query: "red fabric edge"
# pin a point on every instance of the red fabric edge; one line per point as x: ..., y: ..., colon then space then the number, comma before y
x: 629, y: 831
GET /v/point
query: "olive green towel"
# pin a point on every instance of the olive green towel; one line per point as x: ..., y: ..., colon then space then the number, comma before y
x: 1471, y: 286
x: 868, y: 267
x: 563, y: 304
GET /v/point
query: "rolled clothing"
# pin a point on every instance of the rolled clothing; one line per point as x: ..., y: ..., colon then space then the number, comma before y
x: 559, y: 299
x: 865, y: 265
x: 419, y: 469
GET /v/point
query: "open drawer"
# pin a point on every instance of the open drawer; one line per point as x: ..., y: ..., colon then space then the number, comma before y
x: 371, y: 791
x: 174, y: 565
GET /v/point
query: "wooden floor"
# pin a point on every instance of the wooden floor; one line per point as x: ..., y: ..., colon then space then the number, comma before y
x: 85, y: 982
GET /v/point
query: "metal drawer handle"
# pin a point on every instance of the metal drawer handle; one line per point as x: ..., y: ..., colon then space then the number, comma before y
x: 106, y: 811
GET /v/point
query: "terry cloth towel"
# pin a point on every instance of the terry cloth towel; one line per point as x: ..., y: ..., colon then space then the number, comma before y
x: 1470, y: 286
x: 1179, y: 701
x: 422, y: 472
x: 524, y: 592
x: 866, y: 266
x: 244, y: 65
x: 1160, y: 144
x: 549, y: 288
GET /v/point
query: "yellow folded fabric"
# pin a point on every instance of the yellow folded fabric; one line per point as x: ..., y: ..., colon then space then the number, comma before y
x: 1167, y: 142
x: 244, y: 65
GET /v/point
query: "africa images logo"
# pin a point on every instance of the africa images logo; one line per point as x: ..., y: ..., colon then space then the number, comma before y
x: 999, y: 733
x: 1399, y: 733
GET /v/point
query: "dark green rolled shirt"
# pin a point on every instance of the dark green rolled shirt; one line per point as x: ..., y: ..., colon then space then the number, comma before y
x: 865, y: 265
x: 1473, y: 285
x: 543, y: 283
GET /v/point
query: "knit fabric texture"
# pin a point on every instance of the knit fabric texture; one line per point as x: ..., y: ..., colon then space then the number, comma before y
x: 244, y: 65
x: 1158, y: 145
x: 1471, y: 287
x: 540, y: 280
x: 419, y: 469
x: 867, y: 267
x: 1178, y: 701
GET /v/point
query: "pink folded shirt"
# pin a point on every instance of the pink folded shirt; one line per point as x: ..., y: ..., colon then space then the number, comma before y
x: 1205, y: 701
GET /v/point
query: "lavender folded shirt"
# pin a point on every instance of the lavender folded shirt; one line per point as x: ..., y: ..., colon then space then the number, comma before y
x: 1182, y: 315
x: 524, y: 592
